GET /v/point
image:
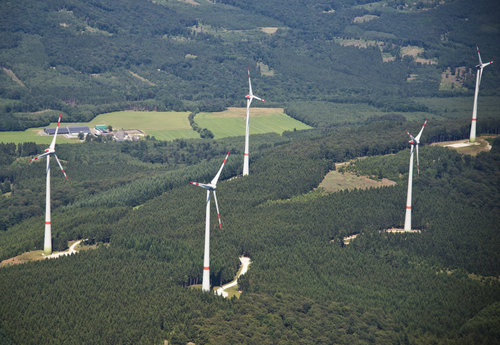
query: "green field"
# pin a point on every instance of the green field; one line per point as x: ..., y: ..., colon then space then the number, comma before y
x: 32, y: 134
x: 174, y: 125
x: 231, y: 122
x: 166, y: 125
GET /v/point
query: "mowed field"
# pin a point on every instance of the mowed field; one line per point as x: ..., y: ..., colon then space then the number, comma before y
x: 33, y: 135
x: 167, y: 125
x: 172, y: 125
x: 163, y: 125
x: 231, y: 122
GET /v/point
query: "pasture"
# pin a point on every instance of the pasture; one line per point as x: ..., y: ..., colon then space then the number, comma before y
x: 164, y: 125
x: 35, y: 135
x: 231, y: 122
x: 172, y: 125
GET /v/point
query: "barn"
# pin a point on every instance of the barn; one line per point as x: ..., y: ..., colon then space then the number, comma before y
x: 71, y: 130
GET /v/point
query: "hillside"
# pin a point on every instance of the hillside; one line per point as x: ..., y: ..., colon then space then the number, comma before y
x: 356, y: 73
x: 86, y: 58
x: 438, y: 286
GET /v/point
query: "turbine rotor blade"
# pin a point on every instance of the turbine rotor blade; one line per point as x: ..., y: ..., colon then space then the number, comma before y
x: 260, y: 99
x: 38, y: 157
x: 420, y: 133
x: 249, y: 84
x: 60, y: 166
x: 479, y: 55
x: 418, y: 165
x: 53, y: 143
x: 202, y: 185
x: 216, y: 178
x: 217, y: 208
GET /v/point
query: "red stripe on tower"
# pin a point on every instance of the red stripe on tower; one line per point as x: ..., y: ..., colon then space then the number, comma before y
x: 246, y: 154
x: 47, y: 223
x: 474, y: 119
x: 408, y: 207
x: 206, y: 268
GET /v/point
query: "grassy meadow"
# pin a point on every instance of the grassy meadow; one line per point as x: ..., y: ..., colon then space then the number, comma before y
x: 231, y: 122
x: 172, y: 125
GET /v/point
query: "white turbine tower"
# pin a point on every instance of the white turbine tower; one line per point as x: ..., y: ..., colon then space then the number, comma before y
x: 476, y: 93
x: 249, y: 98
x: 47, y: 244
x: 414, y: 141
x: 206, y: 257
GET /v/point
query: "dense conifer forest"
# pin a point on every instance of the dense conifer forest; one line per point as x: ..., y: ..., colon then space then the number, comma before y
x: 344, y: 68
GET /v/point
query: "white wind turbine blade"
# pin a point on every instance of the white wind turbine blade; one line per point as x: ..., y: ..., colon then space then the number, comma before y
x: 216, y: 178
x: 480, y: 76
x: 60, y: 166
x: 53, y: 143
x: 418, y: 164
x: 417, y: 138
x: 260, y: 99
x: 202, y: 185
x: 250, y: 93
x: 217, y: 208
x: 40, y: 156
x: 479, y: 55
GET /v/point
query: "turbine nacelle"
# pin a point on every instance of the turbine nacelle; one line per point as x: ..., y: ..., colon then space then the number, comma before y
x: 212, y: 186
x: 415, y: 141
x: 51, y: 151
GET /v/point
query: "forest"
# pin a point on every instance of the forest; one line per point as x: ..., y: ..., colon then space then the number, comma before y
x: 87, y: 58
x: 435, y: 287
x: 341, y: 67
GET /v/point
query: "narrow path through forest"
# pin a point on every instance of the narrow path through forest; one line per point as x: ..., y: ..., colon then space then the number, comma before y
x: 70, y: 251
x: 245, y: 262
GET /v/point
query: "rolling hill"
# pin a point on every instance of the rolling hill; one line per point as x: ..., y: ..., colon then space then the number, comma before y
x: 359, y: 73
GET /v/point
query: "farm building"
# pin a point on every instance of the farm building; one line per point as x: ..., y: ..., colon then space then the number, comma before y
x: 71, y: 130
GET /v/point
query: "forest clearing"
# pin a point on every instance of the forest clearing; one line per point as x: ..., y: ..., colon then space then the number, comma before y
x: 336, y: 181
x: 231, y: 289
x: 36, y: 255
x: 482, y: 144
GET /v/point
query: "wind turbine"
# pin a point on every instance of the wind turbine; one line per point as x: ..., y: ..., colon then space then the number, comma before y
x: 206, y: 257
x: 414, y: 141
x: 47, y: 245
x: 476, y: 93
x: 249, y: 98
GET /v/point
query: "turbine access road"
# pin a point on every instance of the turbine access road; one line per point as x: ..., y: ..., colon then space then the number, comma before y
x: 70, y: 251
x: 245, y: 262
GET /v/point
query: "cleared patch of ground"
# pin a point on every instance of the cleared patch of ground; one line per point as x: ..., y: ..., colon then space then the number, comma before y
x: 399, y: 231
x: 454, y: 81
x: 142, y: 78
x: 359, y: 43
x: 36, y: 255
x: 350, y: 238
x: 412, y: 77
x: 365, y: 18
x: 231, y: 289
x: 191, y: 2
x: 264, y: 69
x: 415, y: 52
x: 269, y: 30
x: 465, y: 147
x: 336, y: 181
x: 13, y: 76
